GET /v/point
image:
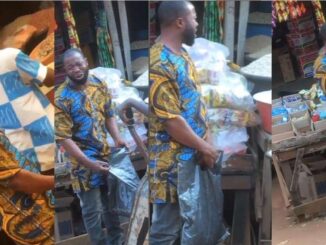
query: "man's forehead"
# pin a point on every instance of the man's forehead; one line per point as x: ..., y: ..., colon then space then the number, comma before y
x: 74, y: 57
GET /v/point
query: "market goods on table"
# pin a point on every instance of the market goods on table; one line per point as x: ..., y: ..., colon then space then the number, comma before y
x: 231, y: 107
x: 299, y: 114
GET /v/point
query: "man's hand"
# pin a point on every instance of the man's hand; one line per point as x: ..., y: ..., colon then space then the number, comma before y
x: 208, y: 155
x: 120, y: 143
x: 101, y: 167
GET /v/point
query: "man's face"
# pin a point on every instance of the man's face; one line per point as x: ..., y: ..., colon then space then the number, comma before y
x: 189, y: 33
x: 76, y: 68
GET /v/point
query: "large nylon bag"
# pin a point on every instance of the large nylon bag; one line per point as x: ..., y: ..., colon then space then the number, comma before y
x: 123, y: 182
x: 201, y: 204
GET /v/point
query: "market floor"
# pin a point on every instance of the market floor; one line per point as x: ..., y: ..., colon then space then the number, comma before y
x: 286, y: 231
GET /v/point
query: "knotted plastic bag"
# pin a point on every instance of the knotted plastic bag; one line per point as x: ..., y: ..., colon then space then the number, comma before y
x: 201, y: 205
x: 123, y: 182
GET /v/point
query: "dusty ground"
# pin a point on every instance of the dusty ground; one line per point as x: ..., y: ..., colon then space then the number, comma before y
x: 286, y: 231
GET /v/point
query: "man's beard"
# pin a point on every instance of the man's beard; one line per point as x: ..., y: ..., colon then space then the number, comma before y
x: 189, y: 36
x: 80, y: 81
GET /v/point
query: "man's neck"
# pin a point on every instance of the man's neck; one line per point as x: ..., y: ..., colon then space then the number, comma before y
x: 171, y: 41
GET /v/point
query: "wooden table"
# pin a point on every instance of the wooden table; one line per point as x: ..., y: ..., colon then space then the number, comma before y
x: 239, y: 176
x: 296, y: 149
x: 263, y: 187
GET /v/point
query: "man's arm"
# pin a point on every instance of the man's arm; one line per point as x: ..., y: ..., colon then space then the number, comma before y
x: 49, y: 79
x: 74, y: 151
x: 28, y: 182
x: 179, y: 129
x: 112, y: 127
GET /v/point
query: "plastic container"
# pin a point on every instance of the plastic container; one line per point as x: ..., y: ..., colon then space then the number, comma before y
x: 264, y: 106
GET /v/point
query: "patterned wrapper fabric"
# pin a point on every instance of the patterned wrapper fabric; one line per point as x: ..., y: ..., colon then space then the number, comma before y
x: 71, y: 25
x: 318, y: 12
x: 104, y: 42
x: 213, y: 20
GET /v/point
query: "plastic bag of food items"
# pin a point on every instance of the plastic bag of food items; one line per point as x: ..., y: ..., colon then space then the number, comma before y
x: 227, y: 118
x: 230, y: 93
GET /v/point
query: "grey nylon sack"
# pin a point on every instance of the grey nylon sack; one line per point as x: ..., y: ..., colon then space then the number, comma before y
x: 123, y: 182
x: 201, y: 204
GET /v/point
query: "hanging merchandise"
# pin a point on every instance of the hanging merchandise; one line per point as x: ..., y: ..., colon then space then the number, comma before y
x: 318, y: 12
x: 104, y: 42
x: 71, y: 25
x: 213, y: 20
x: 288, y: 9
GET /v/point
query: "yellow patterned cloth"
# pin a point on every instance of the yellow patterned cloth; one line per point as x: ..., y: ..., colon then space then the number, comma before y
x: 80, y: 116
x: 174, y: 91
x: 320, y: 69
x: 25, y: 218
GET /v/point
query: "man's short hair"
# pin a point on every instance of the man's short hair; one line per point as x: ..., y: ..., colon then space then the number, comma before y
x: 169, y: 11
x: 70, y: 52
x: 323, y: 32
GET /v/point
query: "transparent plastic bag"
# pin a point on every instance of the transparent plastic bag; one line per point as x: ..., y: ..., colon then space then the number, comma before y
x: 230, y: 140
x: 201, y: 205
x: 122, y: 182
x: 229, y: 117
x: 112, y: 78
x: 231, y: 92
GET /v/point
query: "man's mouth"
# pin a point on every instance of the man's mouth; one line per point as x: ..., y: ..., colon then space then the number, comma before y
x: 79, y: 76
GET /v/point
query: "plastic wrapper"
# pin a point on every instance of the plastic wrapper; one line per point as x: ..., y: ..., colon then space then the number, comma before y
x: 233, y: 95
x: 122, y: 182
x: 230, y: 140
x: 201, y: 205
x: 228, y: 117
x: 112, y: 78
x: 209, y: 58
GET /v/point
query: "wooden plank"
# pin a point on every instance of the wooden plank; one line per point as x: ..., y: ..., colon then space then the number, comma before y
x: 291, y: 153
x: 299, y: 141
x: 298, y: 162
x: 229, y: 27
x: 265, y: 227
x: 287, y: 172
x: 314, y: 207
x: 240, y: 234
x: 236, y: 182
x: 125, y: 37
x: 281, y: 181
x: 114, y: 36
x: 294, y: 190
x: 242, y: 32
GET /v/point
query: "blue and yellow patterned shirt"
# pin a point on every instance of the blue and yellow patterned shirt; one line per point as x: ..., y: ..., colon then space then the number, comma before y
x: 80, y: 116
x: 174, y: 91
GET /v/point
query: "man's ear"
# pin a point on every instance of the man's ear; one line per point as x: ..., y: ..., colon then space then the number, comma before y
x: 180, y: 23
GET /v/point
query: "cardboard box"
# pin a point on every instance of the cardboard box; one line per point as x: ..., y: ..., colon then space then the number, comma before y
x: 299, y: 39
x: 320, y: 125
x: 294, y: 99
x: 306, y: 63
x: 286, y: 67
x: 282, y: 132
x: 306, y: 49
x: 301, y: 122
x: 301, y: 24
x: 63, y: 224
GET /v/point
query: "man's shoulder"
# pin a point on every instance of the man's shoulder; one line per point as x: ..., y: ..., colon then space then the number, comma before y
x: 62, y: 90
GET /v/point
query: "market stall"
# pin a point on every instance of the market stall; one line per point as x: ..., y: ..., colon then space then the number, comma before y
x: 298, y: 153
x: 298, y: 114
